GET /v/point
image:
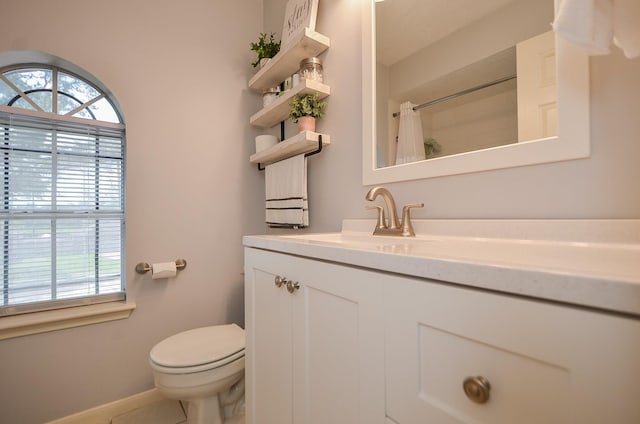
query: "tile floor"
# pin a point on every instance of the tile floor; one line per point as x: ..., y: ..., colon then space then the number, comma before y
x: 162, y: 412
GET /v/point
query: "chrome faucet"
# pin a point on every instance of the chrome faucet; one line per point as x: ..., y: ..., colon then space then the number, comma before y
x: 392, y: 227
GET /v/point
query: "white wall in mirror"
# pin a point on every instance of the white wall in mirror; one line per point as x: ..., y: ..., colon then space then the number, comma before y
x: 571, y: 121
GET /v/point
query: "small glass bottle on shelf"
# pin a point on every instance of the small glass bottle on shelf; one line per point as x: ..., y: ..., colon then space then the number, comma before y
x: 311, y: 68
x: 269, y: 95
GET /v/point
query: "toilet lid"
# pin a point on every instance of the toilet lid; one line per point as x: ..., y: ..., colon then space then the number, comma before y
x: 199, y: 346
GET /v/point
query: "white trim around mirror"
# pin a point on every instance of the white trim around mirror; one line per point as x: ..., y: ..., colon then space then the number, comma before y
x: 572, y: 142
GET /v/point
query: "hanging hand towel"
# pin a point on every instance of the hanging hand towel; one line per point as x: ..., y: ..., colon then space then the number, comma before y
x: 410, y: 138
x: 626, y: 27
x: 593, y: 24
x: 286, y: 193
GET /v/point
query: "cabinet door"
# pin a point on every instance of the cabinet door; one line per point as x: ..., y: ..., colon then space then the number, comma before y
x: 544, y: 363
x: 268, y: 314
x: 336, y: 348
x: 338, y: 345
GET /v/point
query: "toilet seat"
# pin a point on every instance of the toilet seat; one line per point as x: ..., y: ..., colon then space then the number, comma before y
x: 198, y: 350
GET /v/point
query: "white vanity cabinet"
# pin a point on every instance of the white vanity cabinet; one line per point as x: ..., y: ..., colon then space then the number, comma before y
x: 356, y: 345
x: 314, y: 356
x: 543, y: 363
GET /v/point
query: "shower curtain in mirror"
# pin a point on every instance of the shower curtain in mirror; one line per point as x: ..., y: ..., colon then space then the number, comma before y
x: 410, y: 138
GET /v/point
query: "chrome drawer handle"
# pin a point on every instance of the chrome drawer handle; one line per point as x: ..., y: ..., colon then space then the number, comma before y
x: 279, y: 281
x: 292, y: 286
x: 477, y: 389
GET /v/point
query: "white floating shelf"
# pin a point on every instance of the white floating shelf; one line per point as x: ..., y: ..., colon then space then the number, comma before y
x: 307, y: 44
x: 303, y: 142
x: 279, y: 110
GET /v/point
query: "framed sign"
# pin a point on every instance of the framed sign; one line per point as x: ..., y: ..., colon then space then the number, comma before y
x: 299, y: 14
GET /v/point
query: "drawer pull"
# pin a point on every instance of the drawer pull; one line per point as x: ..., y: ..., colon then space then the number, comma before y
x: 279, y: 281
x: 292, y: 286
x: 477, y: 389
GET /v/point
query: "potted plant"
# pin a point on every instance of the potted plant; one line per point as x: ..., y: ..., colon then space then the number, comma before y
x: 265, y: 48
x: 304, y: 109
x: 431, y: 147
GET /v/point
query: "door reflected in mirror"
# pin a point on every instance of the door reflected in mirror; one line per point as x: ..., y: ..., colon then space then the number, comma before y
x: 477, y: 83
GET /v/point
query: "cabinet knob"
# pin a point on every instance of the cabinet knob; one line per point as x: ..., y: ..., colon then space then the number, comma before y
x: 477, y: 389
x: 279, y: 281
x: 292, y: 286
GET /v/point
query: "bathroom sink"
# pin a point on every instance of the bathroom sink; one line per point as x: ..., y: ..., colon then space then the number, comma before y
x: 390, y: 244
x: 347, y: 238
x: 584, y: 258
x: 324, y: 237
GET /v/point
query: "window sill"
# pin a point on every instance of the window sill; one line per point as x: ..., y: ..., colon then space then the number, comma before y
x: 41, y: 322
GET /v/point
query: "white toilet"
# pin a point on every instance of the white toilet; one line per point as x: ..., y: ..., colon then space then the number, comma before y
x: 205, y: 367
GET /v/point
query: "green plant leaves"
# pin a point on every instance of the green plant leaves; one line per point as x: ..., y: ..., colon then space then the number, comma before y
x: 306, y: 105
x: 265, y: 48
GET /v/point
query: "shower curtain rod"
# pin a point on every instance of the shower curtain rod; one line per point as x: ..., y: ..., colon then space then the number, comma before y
x: 459, y: 93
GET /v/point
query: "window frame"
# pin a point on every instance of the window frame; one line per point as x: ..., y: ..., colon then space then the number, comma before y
x: 73, y: 311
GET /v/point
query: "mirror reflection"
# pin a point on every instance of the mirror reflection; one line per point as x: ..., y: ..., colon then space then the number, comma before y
x: 454, y: 76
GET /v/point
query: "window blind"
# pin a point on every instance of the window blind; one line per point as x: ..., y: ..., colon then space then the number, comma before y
x: 62, y: 215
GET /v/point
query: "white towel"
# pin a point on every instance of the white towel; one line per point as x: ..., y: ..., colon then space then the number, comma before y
x: 286, y: 203
x: 410, y: 137
x: 593, y: 24
x: 626, y: 26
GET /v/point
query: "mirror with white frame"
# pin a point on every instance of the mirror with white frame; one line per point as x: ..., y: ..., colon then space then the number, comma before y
x: 483, y: 100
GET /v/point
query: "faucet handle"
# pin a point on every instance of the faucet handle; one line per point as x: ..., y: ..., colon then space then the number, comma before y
x: 407, y: 228
x: 405, y: 208
x: 382, y: 221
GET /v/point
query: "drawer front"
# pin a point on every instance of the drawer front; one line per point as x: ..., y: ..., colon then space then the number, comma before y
x: 504, y: 386
x: 523, y: 361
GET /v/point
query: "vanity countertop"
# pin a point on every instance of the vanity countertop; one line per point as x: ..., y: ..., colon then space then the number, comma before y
x: 594, y: 263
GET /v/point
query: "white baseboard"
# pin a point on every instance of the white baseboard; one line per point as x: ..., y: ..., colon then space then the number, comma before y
x: 102, y: 414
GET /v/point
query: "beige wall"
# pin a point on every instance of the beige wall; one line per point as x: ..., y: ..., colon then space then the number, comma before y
x: 192, y: 194
x: 179, y: 71
x: 603, y: 186
x: 335, y: 175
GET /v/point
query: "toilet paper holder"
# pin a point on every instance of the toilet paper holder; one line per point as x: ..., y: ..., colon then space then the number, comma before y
x: 144, y: 267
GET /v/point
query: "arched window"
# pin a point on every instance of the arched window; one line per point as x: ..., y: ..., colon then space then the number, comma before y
x: 62, y: 191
